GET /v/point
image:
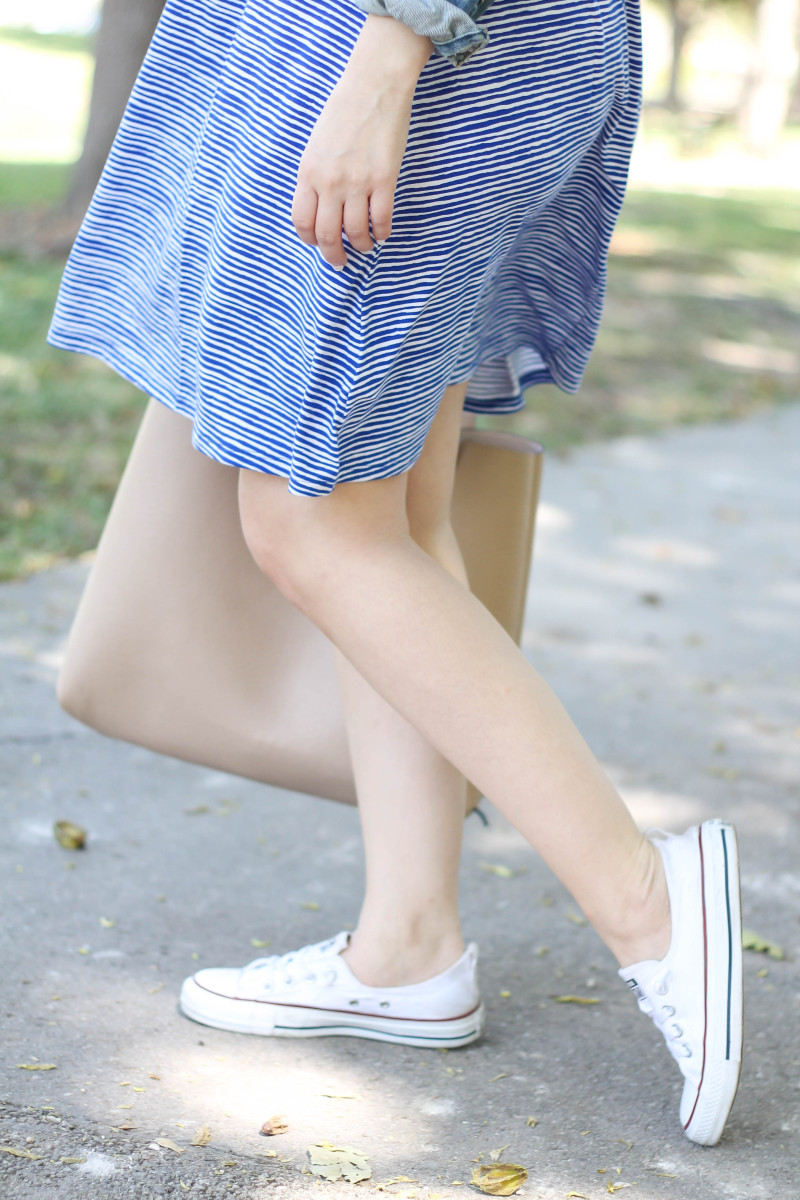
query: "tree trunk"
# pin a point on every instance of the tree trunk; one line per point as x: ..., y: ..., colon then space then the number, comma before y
x: 769, y: 90
x: 680, y: 24
x: 126, y: 28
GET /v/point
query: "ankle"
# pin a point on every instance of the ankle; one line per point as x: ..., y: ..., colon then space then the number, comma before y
x: 641, y: 928
x: 380, y: 958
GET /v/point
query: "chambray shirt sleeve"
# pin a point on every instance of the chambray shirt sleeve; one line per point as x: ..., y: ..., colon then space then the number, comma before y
x: 450, y: 24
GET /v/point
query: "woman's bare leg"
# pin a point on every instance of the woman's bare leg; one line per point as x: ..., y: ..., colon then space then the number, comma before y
x: 437, y: 655
x: 411, y: 799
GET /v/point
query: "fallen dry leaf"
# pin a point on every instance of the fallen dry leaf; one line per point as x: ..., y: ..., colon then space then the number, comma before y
x: 576, y: 918
x: 168, y: 1144
x: 338, y: 1162
x: 311, y: 905
x: 202, y: 1136
x: 494, y: 1155
x: 152, y: 1076
x: 20, y: 1153
x: 107, y: 922
x: 152, y: 991
x: 505, y: 995
x: 577, y: 1195
x: 36, y: 1066
x: 69, y: 835
x: 259, y: 944
x: 498, y: 869
x: 502, y: 1075
x: 68, y: 1161
x: 576, y: 999
x: 140, y: 1089
x: 501, y: 1179
x: 754, y: 941
x: 399, y: 1179
x: 532, y: 1121
x: 274, y: 1126
x: 268, y: 1153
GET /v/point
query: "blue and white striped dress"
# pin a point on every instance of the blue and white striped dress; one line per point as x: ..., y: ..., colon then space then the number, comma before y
x: 189, y: 279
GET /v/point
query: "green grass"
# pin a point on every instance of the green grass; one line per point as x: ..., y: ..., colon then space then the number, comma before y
x: 695, y: 283
x: 64, y: 43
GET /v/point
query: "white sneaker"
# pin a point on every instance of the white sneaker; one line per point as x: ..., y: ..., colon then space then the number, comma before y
x: 694, y: 993
x: 313, y: 993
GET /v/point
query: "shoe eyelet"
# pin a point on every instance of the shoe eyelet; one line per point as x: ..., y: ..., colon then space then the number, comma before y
x: 686, y: 1050
x: 353, y: 1003
x: 311, y: 977
x: 668, y: 1010
x: 384, y: 1004
x: 676, y: 1030
x: 288, y: 980
x: 661, y: 988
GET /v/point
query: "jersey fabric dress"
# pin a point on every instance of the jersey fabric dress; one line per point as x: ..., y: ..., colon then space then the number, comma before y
x: 189, y: 279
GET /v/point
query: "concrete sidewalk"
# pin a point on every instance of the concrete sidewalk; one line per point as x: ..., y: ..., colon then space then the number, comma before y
x: 664, y: 610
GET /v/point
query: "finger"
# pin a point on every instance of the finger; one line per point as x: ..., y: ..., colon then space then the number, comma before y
x: 328, y: 230
x: 304, y: 212
x: 381, y: 205
x: 356, y: 222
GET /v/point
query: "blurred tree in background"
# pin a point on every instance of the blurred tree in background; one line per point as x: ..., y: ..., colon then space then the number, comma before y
x: 126, y: 27
x: 770, y: 83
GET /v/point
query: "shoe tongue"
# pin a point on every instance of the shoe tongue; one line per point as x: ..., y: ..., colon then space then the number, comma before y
x: 338, y: 943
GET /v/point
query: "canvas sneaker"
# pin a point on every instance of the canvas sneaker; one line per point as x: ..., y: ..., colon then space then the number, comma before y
x: 694, y: 994
x: 313, y: 993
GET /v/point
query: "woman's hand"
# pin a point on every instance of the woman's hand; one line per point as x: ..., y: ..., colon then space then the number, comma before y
x: 348, y: 172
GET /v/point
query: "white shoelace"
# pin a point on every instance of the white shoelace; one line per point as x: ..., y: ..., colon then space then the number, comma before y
x: 665, y: 1018
x: 293, y: 966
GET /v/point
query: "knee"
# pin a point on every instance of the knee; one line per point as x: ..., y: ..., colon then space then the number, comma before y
x: 278, y: 540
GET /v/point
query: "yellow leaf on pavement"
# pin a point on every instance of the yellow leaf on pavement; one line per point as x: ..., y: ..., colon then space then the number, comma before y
x: 168, y: 1144
x: 69, y: 835
x: 500, y: 1179
x: 338, y: 1162
x: 754, y: 941
x: 499, y: 869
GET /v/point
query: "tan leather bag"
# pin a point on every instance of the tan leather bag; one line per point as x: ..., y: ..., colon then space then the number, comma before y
x: 181, y: 645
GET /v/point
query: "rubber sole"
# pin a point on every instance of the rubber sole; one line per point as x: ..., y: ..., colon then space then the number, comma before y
x: 722, y: 923
x: 283, y: 1020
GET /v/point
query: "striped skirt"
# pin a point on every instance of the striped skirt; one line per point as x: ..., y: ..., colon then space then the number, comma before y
x: 189, y: 279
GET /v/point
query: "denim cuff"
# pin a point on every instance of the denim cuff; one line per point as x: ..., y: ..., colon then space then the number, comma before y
x: 450, y: 24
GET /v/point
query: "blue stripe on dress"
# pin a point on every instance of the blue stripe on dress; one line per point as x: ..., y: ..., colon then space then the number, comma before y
x: 189, y: 279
